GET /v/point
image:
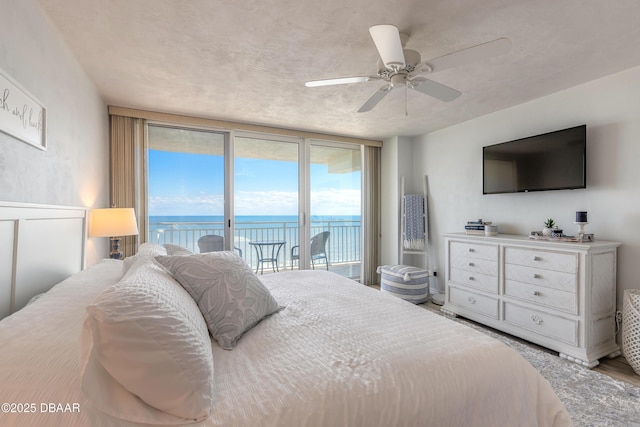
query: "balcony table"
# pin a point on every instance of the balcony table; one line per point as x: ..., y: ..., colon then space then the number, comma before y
x: 267, y: 251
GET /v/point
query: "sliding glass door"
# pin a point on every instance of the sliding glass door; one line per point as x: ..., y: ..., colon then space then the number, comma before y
x: 336, y: 204
x: 280, y: 203
x: 266, y: 201
x: 185, y: 181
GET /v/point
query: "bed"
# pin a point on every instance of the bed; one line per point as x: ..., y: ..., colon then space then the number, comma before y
x: 133, y: 343
x: 338, y: 353
x: 40, y: 245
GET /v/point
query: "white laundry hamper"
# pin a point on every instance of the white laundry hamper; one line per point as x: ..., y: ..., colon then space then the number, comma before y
x: 406, y: 282
x: 631, y: 328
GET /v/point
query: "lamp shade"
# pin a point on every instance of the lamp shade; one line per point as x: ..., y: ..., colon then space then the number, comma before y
x: 113, y: 222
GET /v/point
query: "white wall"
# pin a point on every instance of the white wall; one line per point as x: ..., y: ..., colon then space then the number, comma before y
x: 396, y: 162
x: 74, y: 169
x: 610, y: 107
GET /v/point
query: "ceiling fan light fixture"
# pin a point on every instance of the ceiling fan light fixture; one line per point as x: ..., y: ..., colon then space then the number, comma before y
x: 398, y: 80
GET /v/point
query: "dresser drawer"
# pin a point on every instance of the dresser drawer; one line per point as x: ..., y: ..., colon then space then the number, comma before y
x: 471, y: 301
x: 474, y: 279
x: 556, y: 261
x: 547, y: 297
x: 483, y: 266
x: 539, y: 277
x: 541, y: 323
x: 473, y: 251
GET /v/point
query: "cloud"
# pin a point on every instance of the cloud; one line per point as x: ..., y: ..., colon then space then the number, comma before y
x: 186, y: 206
x: 335, y: 202
x: 325, y: 202
x: 266, y: 203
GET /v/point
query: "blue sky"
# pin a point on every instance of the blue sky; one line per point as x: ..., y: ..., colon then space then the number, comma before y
x: 192, y: 184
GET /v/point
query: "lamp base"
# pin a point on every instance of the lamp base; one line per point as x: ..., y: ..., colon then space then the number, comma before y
x: 115, y: 253
x: 581, y: 233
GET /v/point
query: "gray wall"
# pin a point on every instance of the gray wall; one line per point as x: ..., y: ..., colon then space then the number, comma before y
x: 73, y: 171
x: 610, y: 107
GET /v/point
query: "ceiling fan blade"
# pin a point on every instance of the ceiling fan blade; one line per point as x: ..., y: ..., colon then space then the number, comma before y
x: 434, y: 89
x: 465, y: 56
x: 375, y: 98
x: 341, y: 81
x: 389, y: 45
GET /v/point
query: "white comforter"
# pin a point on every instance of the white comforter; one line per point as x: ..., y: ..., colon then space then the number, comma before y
x: 339, y: 354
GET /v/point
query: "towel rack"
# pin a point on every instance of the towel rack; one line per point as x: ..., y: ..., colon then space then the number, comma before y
x: 404, y: 251
x: 424, y: 253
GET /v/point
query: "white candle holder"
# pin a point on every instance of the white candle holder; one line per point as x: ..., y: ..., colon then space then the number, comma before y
x: 581, y: 229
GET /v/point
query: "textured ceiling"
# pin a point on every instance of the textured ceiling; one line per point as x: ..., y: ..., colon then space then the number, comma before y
x: 247, y: 61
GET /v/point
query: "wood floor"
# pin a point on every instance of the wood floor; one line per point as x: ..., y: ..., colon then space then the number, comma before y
x: 619, y: 369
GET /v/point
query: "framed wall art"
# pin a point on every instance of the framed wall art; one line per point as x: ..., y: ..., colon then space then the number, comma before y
x: 21, y: 114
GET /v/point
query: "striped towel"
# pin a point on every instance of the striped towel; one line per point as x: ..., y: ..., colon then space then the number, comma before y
x: 414, y: 222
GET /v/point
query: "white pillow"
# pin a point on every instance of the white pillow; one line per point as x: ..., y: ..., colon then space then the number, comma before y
x: 151, y: 249
x: 146, y: 351
x: 231, y: 297
x: 148, y: 250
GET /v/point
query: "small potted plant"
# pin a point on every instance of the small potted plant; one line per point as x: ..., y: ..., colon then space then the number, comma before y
x: 548, y: 226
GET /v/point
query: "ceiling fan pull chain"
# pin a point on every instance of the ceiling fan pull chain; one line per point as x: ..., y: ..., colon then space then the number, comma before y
x: 406, y: 101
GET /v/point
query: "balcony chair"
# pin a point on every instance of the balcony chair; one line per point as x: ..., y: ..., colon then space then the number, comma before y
x: 213, y: 243
x: 318, y: 249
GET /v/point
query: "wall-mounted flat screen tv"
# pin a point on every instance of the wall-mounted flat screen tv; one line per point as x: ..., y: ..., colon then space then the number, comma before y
x: 551, y: 161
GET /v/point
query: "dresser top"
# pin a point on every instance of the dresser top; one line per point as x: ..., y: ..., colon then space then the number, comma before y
x: 525, y: 240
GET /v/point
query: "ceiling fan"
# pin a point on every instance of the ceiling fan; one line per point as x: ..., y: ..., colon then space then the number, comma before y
x: 401, y: 67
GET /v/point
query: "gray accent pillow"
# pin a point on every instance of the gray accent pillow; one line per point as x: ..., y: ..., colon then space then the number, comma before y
x: 230, y: 296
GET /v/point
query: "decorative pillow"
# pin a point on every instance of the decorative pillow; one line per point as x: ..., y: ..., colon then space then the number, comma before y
x: 148, y: 250
x: 146, y: 351
x: 176, y: 250
x: 128, y: 263
x: 151, y: 249
x: 230, y: 296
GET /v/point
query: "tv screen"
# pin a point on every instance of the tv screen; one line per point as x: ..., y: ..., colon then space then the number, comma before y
x: 551, y: 161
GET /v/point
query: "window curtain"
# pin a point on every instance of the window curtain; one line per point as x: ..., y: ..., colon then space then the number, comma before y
x: 127, y: 184
x: 370, y: 215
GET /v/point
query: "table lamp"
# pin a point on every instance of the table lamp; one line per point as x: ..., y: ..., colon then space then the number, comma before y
x: 114, y: 223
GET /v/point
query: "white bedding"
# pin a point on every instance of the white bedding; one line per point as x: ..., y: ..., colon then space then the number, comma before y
x: 339, y: 354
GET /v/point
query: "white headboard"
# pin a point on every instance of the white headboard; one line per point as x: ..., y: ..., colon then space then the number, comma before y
x: 40, y: 245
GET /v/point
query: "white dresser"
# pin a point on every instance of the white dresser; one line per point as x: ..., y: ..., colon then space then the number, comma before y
x: 561, y: 295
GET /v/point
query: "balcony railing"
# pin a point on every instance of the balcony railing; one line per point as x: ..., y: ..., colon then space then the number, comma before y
x: 343, y: 245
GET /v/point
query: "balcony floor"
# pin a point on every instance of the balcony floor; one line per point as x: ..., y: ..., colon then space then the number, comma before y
x: 347, y: 269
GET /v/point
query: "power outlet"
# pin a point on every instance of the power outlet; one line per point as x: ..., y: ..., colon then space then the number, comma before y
x: 618, y: 321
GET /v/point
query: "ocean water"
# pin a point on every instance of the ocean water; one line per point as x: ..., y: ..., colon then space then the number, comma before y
x: 344, y: 243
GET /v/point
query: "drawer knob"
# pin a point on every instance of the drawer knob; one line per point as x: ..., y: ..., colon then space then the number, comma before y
x: 471, y: 300
x: 471, y: 278
x: 537, y: 276
x: 537, y: 258
x: 471, y: 264
x: 536, y: 293
x: 471, y: 250
x: 536, y: 319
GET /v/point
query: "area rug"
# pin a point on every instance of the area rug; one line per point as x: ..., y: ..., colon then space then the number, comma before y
x: 591, y: 398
